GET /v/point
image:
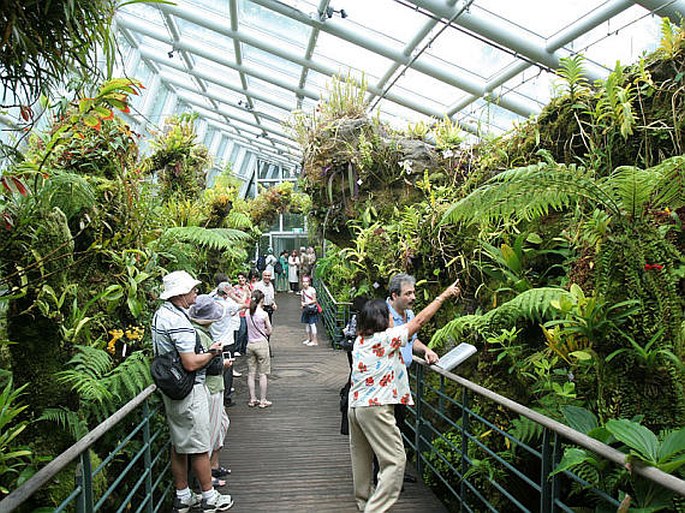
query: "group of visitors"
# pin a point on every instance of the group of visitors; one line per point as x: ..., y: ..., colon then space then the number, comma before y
x: 237, y: 320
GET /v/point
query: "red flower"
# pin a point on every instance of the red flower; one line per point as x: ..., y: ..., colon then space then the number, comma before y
x: 361, y: 341
x: 394, y: 393
x: 387, y: 379
x: 656, y: 267
x: 355, y: 396
x: 374, y: 402
x: 370, y: 381
x: 378, y: 350
x: 395, y: 342
x: 362, y: 367
x: 405, y: 399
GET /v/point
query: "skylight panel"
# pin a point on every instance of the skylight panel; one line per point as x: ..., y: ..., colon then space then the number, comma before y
x: 384, y: 20
x: 398, y: 116
x: 272, y: 24
x: 145, y: 12
x: 206, y: 37
x: 222, y: 73
x: 534, y: 84
x: 341, y: 56
x: 272, y: 62
x: 270, y: 89
x: 624, y: 37
x: 543, y: 17
x: 215, y: 6
x: 428, y: 89
x: 455, y: 48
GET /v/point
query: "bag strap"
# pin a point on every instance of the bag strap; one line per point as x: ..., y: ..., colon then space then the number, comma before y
x: 260, y: 331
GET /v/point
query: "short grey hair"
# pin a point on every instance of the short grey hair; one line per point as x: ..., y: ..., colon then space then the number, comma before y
x: 396, y: 282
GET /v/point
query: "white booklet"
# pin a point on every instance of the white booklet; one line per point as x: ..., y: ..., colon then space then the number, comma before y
x: 456, y: 356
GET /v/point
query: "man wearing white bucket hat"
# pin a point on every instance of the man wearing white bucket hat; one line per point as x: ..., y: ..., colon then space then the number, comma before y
x: 188, y: 418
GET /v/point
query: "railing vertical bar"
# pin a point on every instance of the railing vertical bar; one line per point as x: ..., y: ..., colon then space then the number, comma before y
x: 418, y: 417
x: 545, y: 469
x: 148, y: 455
x: 464, y: 446
x: 87, y: 476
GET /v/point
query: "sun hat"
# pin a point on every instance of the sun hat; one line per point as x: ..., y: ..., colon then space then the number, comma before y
x: 224, y: 288
x: 178, y: 283
x: 205, y: 309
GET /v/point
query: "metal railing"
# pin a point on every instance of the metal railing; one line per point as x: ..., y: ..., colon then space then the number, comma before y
x: 474, y: 465
x: 133, y: 477
x: 335, y: 314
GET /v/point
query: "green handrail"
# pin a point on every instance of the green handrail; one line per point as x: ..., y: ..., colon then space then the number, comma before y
x: 335, y: 314
x: 144, y: 476
x: 450, y: 449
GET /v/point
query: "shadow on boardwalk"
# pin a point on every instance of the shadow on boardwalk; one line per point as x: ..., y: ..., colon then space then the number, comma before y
x: 291, y: 457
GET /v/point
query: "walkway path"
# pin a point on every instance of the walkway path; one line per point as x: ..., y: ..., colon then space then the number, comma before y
x: 291, y: 457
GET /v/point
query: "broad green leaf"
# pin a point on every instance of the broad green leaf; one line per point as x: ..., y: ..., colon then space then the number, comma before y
x: 573, y: 457
x: 580, y: 419
x: 637, y: 437
x: 672, y: 444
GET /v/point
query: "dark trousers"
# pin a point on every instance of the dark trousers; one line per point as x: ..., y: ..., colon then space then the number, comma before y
x: 241, y: 337
x: 269, y: 309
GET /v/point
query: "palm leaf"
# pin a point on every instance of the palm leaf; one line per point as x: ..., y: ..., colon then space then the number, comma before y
x: 531, y: 305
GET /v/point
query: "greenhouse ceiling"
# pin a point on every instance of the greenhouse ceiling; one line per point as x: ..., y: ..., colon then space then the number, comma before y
x: 245, y: 65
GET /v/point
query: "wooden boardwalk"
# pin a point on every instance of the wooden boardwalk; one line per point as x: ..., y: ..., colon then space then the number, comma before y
x: 291, y: 457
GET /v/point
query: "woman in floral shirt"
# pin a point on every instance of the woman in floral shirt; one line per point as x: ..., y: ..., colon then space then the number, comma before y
x: 379, y: 381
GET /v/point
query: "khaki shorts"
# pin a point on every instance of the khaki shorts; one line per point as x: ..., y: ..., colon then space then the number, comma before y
x: 188, y: 421
x: 258, y: 359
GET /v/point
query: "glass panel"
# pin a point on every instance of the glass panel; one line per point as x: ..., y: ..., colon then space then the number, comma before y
x: 268, y: 89
x: 225, y: 95
x: 216, y: 6
x: 539, y: 16
x: 385, y: 20
x: 337, y: 54
x: 217, y: 71
x: 259, y: 57
x: 293, y: 222
x: 272, y: 24
x: 534, y: 84
x: 636, y: 34
x: 429, y: 91
x: 207, y: 38
x: 462, y: 53
x: 159, y: 101
x: 146, y: 12
x: 270, y: 110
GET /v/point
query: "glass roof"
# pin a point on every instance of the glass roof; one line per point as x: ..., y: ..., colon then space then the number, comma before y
x: 245, y: 65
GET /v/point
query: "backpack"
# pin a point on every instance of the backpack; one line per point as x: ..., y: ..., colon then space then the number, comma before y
x: 261, y: 263
x: 278, y: 267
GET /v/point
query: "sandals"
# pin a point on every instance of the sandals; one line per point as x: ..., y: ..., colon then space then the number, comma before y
x: 252, y: 404
x: 220, y: 472
x: 265, y: 403
x: 218, y: 483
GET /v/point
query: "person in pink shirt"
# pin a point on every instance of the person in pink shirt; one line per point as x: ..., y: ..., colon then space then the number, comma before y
x: 258, y: 357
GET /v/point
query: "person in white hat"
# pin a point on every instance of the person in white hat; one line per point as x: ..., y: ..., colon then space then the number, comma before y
x: 188, y: 418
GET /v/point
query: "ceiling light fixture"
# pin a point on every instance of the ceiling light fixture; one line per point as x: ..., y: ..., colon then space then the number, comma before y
x: 328, y: 13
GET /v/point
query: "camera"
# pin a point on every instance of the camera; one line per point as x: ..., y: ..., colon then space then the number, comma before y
x: 227, y: 355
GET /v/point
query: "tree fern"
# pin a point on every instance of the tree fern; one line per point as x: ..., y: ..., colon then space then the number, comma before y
x: 238, y: 220
x: 531, y: 305
x: 669, y: 190
x: 528, y: 193
x: 633, y: 187
x: 211, y: 238
x: 68, y: 420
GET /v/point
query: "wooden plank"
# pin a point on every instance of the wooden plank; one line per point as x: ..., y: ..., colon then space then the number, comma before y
x: 291, y: 457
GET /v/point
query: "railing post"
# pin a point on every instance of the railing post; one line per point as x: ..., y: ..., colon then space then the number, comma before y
x: 147, y: 456
x: 464, y: 447
x: 84, y: 479
x: 547, y: 455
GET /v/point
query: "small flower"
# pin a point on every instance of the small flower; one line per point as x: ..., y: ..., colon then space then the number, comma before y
x: 360, y: 181
x: 406, y: 166
x: 447, y: 154
x: 655, y: 267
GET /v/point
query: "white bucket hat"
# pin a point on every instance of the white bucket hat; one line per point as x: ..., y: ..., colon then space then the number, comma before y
x: 178, y: 283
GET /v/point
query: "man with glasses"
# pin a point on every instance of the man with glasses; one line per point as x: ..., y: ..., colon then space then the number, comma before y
x: 269, y: 292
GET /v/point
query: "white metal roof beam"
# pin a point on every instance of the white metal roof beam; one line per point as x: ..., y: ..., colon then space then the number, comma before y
x: 344, y: 31
x: 358, y: 39
x: 672, y: 9
x: 164, y: 62
x: 275, y: 135
x: 311, y: 45
x: 250, y: 146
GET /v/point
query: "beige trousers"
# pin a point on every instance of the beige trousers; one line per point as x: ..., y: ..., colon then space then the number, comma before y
x: 373, y: 430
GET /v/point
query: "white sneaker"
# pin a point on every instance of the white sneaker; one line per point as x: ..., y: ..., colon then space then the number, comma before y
x: 311, y: 344
x: 186, y: 505
x: 306, y: 341
x: 218, y: 502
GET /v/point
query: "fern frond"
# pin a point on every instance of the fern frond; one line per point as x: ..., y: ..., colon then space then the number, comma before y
x: 528, y: 193
x: 238, y: 220
x: 670, y: 188
x: 70, y: 192
x: 531, y: 305
x: 633, y: 187
x: 91, y: 361
x: 67, y: 420
x: 86, y: 386
x: 211, y: 238
x: 130, y: 377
